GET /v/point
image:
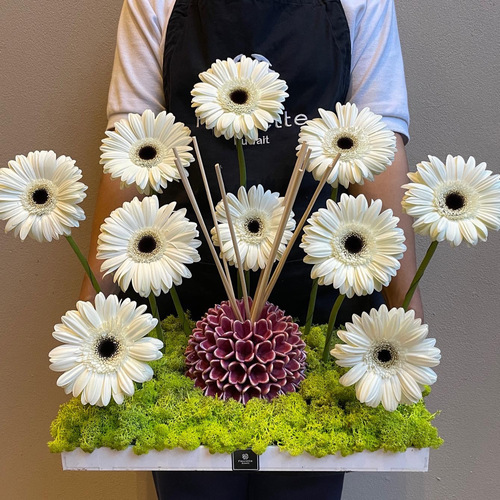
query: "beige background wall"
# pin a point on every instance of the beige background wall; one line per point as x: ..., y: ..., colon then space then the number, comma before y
x: 56, y: 58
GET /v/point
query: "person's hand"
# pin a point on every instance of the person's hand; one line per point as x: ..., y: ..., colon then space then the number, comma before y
x: 87, y: 292
x: 396, y: 300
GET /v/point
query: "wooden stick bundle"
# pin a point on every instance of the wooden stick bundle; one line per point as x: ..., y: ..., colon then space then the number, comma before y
x: 210, y: 203
x: 298, y: 229
x: 233, y: 238
x: 265, y: 285
x: 227, y: 284
x: 290, y: 195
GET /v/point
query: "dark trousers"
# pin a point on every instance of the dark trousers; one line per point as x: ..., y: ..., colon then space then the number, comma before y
x: 192, y: 485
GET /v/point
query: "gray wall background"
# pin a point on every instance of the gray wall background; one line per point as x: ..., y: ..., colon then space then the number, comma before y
x: 56, y: 58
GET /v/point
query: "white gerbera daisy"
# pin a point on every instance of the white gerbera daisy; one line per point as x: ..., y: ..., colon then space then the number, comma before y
x: 148, y: 246
x: 104, y: 349
x: 367, y: 147
x: 353, y: 246
x: 140, y: 150
x: 237, y: 99
x: 457, y: 201
x: 389, y: 355
x: 255, y: 216
x: 39, y: 196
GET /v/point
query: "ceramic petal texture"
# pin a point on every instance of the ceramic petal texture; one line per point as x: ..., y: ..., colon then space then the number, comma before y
x: 229, y: 358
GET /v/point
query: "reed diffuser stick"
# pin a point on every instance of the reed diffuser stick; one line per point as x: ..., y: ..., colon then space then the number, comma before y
x: 298, y: 229
x: 300, y: 159
x: 210, y: 204
x: 290, y: 195
x: 222, y: 188
x: 227, y: 285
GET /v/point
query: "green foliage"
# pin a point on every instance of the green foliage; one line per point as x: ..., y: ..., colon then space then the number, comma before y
x: 169, y: 412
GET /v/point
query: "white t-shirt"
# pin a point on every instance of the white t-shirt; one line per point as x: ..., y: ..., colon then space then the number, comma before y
x: 377, y: 73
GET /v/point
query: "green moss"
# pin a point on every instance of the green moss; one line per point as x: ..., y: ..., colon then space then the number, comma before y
x: 169, y: 412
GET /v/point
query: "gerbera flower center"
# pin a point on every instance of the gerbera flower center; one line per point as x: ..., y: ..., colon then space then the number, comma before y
x: 107, y: 347
x: 148, y: 153
x: 251, y: 227
x: 146, y: 245
x: 345, y: 143
x: 383, y: 358
x: 455, y: 201
x: 105, y: 353
x: 239, y: 96
x: 384, y: 355
x: 40, y: 197
x: 354, y: 243
x: 254, y: 226
x: 351, y: 142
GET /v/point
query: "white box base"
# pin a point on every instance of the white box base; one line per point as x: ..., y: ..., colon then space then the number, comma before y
x: 106, y: 459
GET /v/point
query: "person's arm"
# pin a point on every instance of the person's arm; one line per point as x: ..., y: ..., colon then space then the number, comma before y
x: 387, y: 187
x: 378, y: 82
x: 136, y: 81
x: 135, y: 86
x: 377, y: 70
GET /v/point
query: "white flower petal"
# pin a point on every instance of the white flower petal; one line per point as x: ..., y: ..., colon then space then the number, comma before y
x: 148, y: 246
x: 366, y: 145
x: 353, y: 246
x: 140, y: 150
x: 101, y: 364
x: 354, y: 374
x: 255, y: 216
x: 396, y: 357
x: 237, y: 99
x: 453, y: 201
x: 39, y: 196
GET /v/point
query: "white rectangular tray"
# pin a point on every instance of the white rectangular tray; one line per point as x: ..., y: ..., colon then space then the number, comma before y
x: 105, y: 459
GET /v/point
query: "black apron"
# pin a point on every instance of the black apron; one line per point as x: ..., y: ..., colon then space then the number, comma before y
x: 308, y: 44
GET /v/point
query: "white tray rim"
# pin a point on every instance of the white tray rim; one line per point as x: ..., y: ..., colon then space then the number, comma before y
x: 106, y: 459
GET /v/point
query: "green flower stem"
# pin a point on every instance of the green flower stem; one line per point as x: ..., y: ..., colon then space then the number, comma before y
x: 331, y: 324
x: 247, y: 280
x: 243, y: 182
x: 241, y: 163
x: 180, y: 311
x: 419, y: 274
x: 310, y: 309
x: 156, y: 314
x: 239, y: 288
x: 314, y: 289
x: 84, y: 263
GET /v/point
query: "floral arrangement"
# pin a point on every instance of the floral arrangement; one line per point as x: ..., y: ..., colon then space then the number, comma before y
x: 246, y: 356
